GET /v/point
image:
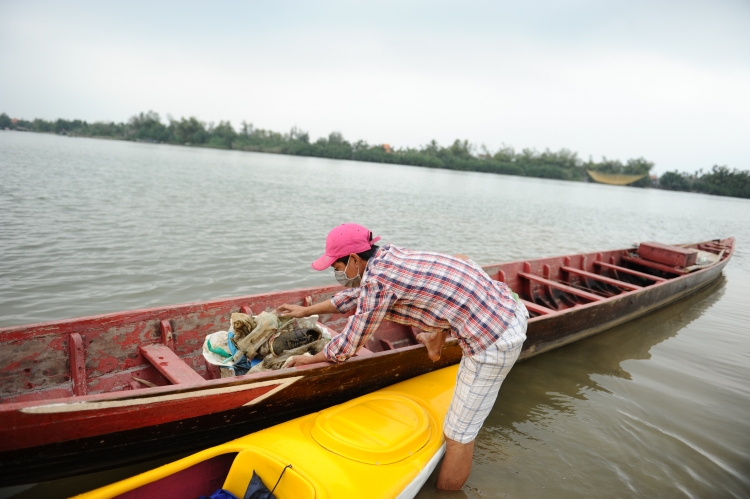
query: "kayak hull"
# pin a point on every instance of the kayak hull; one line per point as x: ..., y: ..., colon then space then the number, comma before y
x: 388, y: 453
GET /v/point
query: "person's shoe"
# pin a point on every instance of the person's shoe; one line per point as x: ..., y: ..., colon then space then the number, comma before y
x: 294, y: 339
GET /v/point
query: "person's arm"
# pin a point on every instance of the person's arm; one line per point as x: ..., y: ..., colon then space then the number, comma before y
x: 298, y: 311
x: 373, y: 304
x: 375, y: 300
x: 341, y: 302
x: 347, y: 299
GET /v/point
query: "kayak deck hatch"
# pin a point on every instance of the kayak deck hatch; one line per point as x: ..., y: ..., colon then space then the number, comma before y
x: 375, y: 429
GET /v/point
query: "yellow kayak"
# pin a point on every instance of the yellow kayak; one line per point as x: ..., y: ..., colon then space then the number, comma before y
x: 381, y: 445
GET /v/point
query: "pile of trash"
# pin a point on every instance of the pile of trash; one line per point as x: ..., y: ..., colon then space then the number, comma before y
x: 263, y: 342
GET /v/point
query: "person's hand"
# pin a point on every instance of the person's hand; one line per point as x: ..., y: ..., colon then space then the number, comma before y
x: 303, y: 360
x: 300, y: 360
x: 296, y: 311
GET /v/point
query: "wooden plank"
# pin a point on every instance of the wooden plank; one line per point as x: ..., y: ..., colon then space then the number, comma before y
x: 395, y: 344
x: 538, y: 309
x: 170, y: 365
x: 626, y: 270
x: 362, y: 352
x: 601, y: 278
x: 672, y: 256
x: 654, y: 265
x: 561, y: 287
x: 165, y: 329
x: 77, y: 364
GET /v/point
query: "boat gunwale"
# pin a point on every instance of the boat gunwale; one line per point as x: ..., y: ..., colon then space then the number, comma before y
x: 80, y: 323
x: 43, y: 328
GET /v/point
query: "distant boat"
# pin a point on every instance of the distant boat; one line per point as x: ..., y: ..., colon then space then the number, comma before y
x: 84, y: 394
x: 614, y: 178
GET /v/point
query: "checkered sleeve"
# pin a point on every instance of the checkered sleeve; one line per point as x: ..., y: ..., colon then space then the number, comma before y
x: 373, y: 304
x: 346, y: 300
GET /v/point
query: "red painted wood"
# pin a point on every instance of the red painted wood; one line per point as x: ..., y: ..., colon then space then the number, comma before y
x: 212, y: 309
x: 561, y: 287
x: 118, y: 380
x: 165, y: 328
x: 170, y: 365
x: 672, y: 256
x: 395, y: 344
x: 714, y: 247
x: 653, y: 265
x: 20, y: 430
x: 538, y: 309
x: 38, y: 396
x: 212, y: 371
x: 625, y: 270
x: 614, y: 282
x: 389, y: 334
x: 77, y: 366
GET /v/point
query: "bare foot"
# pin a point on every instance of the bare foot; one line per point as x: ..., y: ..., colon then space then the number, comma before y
x: 434, y: 343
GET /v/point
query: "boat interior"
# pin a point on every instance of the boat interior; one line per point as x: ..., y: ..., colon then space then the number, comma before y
x: 137, y: 350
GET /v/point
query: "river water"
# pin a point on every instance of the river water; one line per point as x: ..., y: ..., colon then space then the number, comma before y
x: 656, y: 407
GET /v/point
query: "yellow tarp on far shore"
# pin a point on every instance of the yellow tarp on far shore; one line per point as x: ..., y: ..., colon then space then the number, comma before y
x: 614, y: 178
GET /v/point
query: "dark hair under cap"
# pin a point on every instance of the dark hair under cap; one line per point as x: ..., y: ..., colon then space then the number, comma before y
x: 365, y: 255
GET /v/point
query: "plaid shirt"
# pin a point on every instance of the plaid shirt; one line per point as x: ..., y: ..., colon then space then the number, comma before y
x: 430, y: 291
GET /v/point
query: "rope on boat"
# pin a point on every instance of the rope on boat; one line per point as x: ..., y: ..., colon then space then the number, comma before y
x: 282, y: 474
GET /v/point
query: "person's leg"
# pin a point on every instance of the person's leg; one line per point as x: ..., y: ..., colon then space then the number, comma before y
x: 477, y: 385
x: 456, y: 465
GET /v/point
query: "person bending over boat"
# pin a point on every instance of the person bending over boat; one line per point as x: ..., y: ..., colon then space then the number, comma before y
x: 439, y: 294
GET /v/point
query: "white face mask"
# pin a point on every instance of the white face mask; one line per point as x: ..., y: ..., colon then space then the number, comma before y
x: 347, y: 282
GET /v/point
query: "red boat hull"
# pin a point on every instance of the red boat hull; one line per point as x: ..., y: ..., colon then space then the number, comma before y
x: 69, y: 401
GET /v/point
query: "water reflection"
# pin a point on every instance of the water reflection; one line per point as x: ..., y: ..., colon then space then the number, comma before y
x: 547, y: 382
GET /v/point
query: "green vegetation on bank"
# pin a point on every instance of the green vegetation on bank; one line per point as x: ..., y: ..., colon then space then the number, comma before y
x: 720, y: 181
x: 461, y: 155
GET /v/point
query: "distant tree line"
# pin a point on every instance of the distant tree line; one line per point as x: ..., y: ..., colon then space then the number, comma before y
x: 720, y: 181
x: 461, y: 155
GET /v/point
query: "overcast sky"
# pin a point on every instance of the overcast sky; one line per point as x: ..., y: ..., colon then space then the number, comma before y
x: 669, y: 81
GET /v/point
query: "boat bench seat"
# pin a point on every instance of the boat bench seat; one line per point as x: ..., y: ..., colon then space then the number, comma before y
x: 626, y: 270
x: 653, y: 265
x: 601, y: 278
x: 170, y: 365
x: 561, y: 287
x: 537, y: 309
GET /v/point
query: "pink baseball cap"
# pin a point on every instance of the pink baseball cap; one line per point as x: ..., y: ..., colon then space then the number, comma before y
x: 342, y: 241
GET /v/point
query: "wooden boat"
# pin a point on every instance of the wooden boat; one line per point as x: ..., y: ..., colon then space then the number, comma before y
x: 71, y: 401
x: 381, y: 445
